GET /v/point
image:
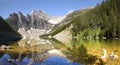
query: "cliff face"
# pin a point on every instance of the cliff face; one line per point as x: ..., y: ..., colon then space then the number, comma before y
x: 7, y: 33
x: 37, y: 20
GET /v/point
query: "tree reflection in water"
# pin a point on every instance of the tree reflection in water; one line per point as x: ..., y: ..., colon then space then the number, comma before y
x: 77, y: 52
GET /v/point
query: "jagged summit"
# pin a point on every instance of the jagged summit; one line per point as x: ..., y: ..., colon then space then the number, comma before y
x: 40, y: 11
x: 40, y: 14
x: 37, y: 19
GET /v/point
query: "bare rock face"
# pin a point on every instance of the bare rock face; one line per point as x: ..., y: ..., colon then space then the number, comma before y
x: 13, y: 20
x: 37, y: 20
x: 22, y: 22
x: 40, y: 14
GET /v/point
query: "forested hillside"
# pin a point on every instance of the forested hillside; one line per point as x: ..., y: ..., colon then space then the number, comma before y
x: 103, y: 21
x: 99, y: 22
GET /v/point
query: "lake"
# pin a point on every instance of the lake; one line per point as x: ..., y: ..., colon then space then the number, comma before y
x: 55, y: 52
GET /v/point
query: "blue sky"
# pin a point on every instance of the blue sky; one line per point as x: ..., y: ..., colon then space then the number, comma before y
x: 52, y: 7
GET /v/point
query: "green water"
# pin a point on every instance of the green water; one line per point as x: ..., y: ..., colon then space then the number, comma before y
x: 89, y: 52
x: 86, y: 52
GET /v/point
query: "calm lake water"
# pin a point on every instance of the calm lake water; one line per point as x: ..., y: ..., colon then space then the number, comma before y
x: 55, y: 52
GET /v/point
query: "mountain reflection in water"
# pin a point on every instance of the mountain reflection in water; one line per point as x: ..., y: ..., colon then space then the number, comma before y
x: 53, y: 60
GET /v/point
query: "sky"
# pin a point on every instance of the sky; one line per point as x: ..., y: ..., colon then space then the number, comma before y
x: 51, y: 7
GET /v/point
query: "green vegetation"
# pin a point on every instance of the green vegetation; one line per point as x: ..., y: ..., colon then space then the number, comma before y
x: 100, y: 21
x: 7, y: 33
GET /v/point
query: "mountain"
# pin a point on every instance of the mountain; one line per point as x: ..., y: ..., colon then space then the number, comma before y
x: 66, y: 22
x: 35, y: 23
x: 36, y: 19
x: 7, y: 33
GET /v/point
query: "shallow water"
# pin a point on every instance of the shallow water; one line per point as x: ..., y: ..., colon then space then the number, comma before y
x: 76, y: 52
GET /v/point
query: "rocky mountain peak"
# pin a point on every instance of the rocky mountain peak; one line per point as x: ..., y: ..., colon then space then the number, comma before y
x: 13, y: 14
x: 37, y: 19
x: 38, y: 11
x: 40, y: 14
x: 20, y: 13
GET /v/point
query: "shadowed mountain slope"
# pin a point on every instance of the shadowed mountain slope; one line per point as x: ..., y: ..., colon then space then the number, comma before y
x: 7, y: 33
